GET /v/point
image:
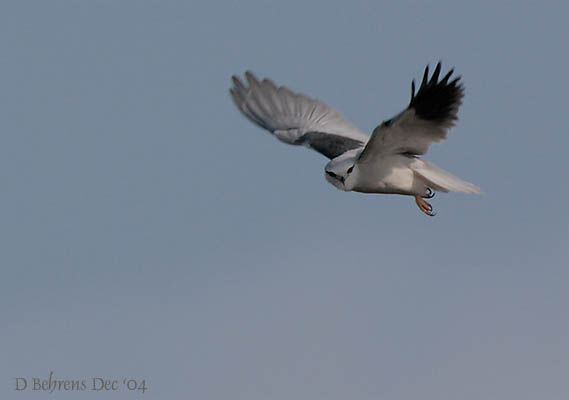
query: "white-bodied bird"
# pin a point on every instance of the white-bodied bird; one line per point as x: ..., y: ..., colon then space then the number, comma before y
x: 387, y: 161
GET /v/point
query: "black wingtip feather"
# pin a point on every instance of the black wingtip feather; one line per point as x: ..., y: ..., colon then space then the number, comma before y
x: 425, y: 76
x: 447, y: 76
x: 436, y: 74
x: 437, y: 101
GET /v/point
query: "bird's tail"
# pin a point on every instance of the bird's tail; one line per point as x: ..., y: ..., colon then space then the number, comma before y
x: 441, y: 180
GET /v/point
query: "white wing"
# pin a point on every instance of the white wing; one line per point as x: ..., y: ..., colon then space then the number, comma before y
x: 430, y: 114
x: 295, y: 118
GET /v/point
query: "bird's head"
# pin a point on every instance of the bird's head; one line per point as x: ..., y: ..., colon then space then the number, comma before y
x: 342, y: 171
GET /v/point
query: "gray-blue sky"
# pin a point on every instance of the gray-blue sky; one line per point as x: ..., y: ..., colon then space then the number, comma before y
x: 150, y: 231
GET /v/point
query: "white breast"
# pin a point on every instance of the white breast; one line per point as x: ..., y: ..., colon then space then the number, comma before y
x: 391, y: 174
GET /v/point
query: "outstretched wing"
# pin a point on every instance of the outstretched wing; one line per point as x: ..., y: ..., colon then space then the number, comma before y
x: 427, y: 119
x: 295, y: 118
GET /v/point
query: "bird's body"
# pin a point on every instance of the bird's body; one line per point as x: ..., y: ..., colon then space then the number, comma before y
x: 391, y: 174
x: 386, y: 162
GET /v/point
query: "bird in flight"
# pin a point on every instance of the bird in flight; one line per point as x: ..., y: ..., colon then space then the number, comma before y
x: 389, y: 160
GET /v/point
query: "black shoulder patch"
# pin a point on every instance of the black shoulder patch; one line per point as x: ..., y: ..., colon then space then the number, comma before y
x: 328, y: 144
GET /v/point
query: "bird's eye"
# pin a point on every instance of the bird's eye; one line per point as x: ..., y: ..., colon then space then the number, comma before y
x: 350, y: 169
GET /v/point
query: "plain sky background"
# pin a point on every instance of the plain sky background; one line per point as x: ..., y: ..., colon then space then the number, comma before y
x: 149, y: 231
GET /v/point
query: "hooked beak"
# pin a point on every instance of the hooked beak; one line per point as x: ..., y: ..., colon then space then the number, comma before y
x: 333, y: 175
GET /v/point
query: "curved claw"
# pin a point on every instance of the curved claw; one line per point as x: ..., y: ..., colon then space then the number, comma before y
x: 430, y: 194
x: 429, y: 210
x: 424, y: 206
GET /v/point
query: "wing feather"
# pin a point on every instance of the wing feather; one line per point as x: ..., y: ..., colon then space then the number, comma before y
x: 295, y: 118
x: 432, y: 111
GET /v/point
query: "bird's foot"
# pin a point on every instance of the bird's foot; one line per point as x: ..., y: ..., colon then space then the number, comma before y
x: 430, y: 193
x: 424, y: 206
